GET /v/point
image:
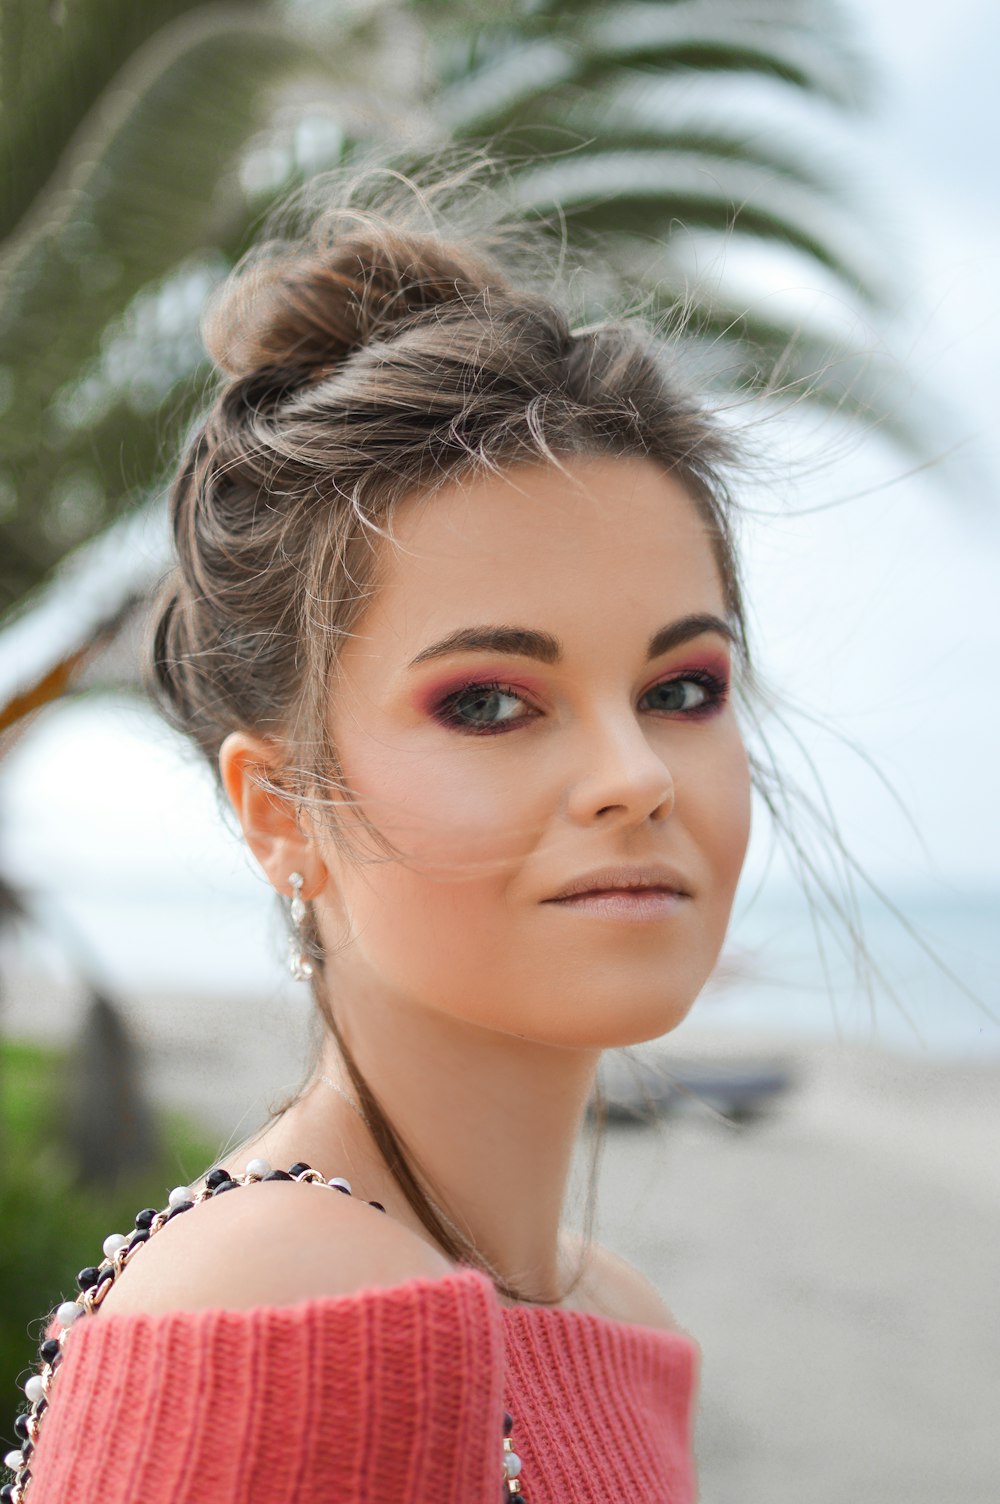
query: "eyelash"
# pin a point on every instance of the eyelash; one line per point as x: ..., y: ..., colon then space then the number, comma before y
x: 716, y: 689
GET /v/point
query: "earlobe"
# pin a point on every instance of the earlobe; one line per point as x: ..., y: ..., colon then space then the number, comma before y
x: 249, y: 766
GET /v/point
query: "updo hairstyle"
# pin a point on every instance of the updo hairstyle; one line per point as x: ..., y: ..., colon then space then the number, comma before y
x: 407, y: 335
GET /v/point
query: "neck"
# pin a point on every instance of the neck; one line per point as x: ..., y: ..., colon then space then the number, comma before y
x: 488, y: 1123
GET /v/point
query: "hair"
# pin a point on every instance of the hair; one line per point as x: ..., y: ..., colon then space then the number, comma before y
x: 391, y: 334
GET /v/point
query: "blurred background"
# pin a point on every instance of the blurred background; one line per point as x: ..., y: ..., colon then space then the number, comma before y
x: 812, y: 1182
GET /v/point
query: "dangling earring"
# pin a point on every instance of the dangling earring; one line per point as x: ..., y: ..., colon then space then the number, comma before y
x: 299, y: 963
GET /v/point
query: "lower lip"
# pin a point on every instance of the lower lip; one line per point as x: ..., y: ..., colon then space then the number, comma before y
x: 635, y: 904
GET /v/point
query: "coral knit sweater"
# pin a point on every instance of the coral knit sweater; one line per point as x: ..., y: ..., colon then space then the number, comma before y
x: 386, y: 1396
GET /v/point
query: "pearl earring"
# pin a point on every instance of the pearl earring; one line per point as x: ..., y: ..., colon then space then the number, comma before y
x: 299, y: 963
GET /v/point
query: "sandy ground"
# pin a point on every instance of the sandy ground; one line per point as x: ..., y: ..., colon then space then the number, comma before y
x: 838, y: 1260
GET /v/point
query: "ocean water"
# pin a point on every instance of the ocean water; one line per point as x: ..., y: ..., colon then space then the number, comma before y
x: 929, y: 983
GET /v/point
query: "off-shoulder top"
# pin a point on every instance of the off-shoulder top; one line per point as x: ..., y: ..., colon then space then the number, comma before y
x: 389, y: 1395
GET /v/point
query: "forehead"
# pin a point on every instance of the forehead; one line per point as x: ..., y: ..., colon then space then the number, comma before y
x: 534, y: 546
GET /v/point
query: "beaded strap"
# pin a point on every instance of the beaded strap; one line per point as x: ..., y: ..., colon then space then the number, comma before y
x: 96, y: 1280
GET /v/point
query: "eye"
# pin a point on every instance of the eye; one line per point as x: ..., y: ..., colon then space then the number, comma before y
x: 482, y: 708
x: 692, y: 693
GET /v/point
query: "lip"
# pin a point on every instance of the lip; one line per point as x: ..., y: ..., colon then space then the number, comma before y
x: 628, y: 881
x: 635, y: 905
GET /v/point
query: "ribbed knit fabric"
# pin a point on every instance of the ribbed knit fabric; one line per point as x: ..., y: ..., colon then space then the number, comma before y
x: 386, y: 1396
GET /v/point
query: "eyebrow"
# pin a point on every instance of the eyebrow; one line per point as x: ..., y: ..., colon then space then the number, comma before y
x: 523, y: 642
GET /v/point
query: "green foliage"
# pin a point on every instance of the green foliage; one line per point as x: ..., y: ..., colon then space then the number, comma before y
x: 55, y: 62
x: 143, y: 143
x: 51, y: 1228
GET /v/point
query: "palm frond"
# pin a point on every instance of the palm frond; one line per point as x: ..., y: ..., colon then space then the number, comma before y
x: 55, y: 62
x: 631, y: 111
x: 652, y: 192
x: 560, y: 45
x: 620, y: 117
x: 140, y: 192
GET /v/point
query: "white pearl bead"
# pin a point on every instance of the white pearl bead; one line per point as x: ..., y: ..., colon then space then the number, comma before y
x: 112, y: 1243
x: 178, y: 1194
x: 67, y: 1313
x: 336, y: 1180
x: 512, y: 1463
x: 14, y: 1461
x: 258, y: 1167
x: 34, y: 1388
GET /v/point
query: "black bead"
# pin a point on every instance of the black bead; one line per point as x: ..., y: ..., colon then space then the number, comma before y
x: 7, y: 1493
x: 298, y: 1169
x: 21, y: 1426
x: 508, y: 1423
x: 278, y: 1175
x: 26, y: 1449
x: 182, y: 1206
x: 216, y: 1177
x: 223, y: 1185
x: 144, y: 1217
x: 49, y: 1350
x: 342, y: 1188
x: 41, y: 1405
x: 377, y: 1205
x: 88, y: 1277
x: 105, y: 1278
x: 142, y: 1236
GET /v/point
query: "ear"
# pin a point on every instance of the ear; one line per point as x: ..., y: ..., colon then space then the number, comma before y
x: 270, y: 823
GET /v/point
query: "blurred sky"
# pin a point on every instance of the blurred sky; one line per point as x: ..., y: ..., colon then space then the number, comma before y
x: 883, y: 613
x: 878, y: 614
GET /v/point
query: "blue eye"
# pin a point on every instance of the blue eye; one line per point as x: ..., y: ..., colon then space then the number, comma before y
x: 692, y: 693
x: 492, y: 708
x: 689, y: 694
x: 481, y: 707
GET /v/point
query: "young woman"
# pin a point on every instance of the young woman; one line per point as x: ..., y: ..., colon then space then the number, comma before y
x: 456, y: 617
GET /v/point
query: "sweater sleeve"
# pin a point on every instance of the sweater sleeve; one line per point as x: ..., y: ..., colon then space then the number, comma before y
x: 386, y: 1396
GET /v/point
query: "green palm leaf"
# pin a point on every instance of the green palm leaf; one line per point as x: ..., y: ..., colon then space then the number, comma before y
x: 133, y: 200
x: 139, y: 196
x: 800, y: 44
x: 650, y: 191
x: 141, y: 193
x: 55, y: 62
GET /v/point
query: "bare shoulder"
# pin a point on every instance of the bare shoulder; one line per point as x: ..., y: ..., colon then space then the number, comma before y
x: 275, y: 1243
x: 613, y: 1287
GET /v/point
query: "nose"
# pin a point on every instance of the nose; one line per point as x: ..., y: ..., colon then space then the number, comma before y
x: 625, y: 779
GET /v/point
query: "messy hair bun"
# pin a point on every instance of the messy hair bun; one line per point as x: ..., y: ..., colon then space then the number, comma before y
x: 400, y: 338
x: 305, y: 310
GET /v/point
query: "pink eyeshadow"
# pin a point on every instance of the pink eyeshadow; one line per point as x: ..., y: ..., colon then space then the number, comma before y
x: 441, y: 689
x: 716, y: 664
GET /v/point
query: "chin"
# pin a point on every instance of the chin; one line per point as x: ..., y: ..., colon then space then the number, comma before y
x: 606, y: 1023
x: 641, y: 1026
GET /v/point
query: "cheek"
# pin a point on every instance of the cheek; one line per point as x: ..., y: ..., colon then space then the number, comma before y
x: 725, y: 813
x: 429, y: 923
x: 428, y: 914
x: 447, y: 814
x: 713, y: 802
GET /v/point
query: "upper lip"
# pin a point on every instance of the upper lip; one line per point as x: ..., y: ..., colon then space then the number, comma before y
x: 656, y: 875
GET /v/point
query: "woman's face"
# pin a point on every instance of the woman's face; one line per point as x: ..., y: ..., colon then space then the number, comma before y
x: 593, y: 731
